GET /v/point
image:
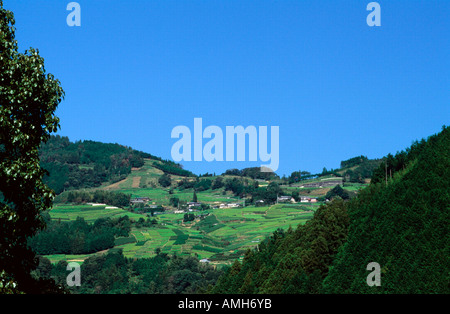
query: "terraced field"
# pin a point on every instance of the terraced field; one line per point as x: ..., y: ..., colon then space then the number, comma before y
x: 222, y: 235
x: 90, y: 213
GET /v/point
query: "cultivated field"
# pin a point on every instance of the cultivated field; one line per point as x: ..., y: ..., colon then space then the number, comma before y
x: 223, y: 235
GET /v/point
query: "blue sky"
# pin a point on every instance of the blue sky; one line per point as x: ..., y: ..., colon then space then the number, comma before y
x: 336, y: 87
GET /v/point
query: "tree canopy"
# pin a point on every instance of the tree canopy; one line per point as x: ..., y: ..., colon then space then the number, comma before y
x: 28, y: 99
x: 400, y: 222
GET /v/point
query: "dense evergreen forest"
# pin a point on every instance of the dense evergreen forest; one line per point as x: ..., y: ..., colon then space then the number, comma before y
x: 401, y: 221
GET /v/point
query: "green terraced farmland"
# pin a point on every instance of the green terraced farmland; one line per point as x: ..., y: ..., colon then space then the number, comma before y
x: 88, y: 212
x: 223, y: 235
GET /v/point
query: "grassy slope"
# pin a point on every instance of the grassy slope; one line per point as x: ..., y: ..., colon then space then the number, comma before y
x: 224, y: 235
x: 235, y: 229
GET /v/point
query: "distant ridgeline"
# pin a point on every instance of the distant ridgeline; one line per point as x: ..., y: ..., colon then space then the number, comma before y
x: 356, y: 169
x: 252, y: 172
x: 86, y: 164
x: 400, y: 221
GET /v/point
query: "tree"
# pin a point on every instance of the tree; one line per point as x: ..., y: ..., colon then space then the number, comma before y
x: 188, y: 217
x: 337, y: 191
x: 165, y: 180
x: 194, y: 197
x: 296, y: 195
x: 218, y: 183
x: 28, y: 100
x: 174, y: 201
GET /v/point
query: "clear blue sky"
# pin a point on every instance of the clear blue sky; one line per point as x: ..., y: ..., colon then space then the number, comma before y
x: 336, y: 87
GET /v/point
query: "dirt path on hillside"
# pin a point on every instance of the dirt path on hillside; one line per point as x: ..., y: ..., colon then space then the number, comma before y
x: 114, y: 186
x: 80, y: 260
x: 136, y: 182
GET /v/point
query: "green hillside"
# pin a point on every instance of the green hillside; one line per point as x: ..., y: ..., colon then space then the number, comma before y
x: 401, y: 222
x: 403, y: 226
x: 222, y: 235
x: 88, y: 164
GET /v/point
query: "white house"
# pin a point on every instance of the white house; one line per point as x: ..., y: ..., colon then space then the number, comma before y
x: 285, y: 199
x: 304, y: 199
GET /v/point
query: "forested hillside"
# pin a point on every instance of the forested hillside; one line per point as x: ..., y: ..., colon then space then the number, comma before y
x: 358, y: 169
x: 86, y: 164
x: 402, y: 225
x: 114, y: 273
x: 401, y: 221
x: 79, y: 237
x: 295, y: 261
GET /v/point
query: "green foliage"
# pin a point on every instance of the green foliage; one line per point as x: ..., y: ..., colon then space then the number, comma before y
x: 86, y: 164
x: 112, y: 273
x: 363, y: 168
x: 393, y: 164
x: 118, y: 199
x: 169, y: 167
x: 174, y: 201
x: 399, y: 221
x: 79, y: 237
x: 217, y: 184
x: 209, y: 224
x: 206, y: 248
x: 295, y: 261
x: 337, y: 191
x: 28, y: 99
x: 252, y: 172
x: 203, y: 185
x: 186, y: 184
x: 181, y: 237
x: 353, y: 161
x: 297, y: 176
x: 124, y: 240
x: 165, y: 180
x: 268, y: 194
x: 188, y: 217
x: 403, y: 226
x: 235, y: 185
